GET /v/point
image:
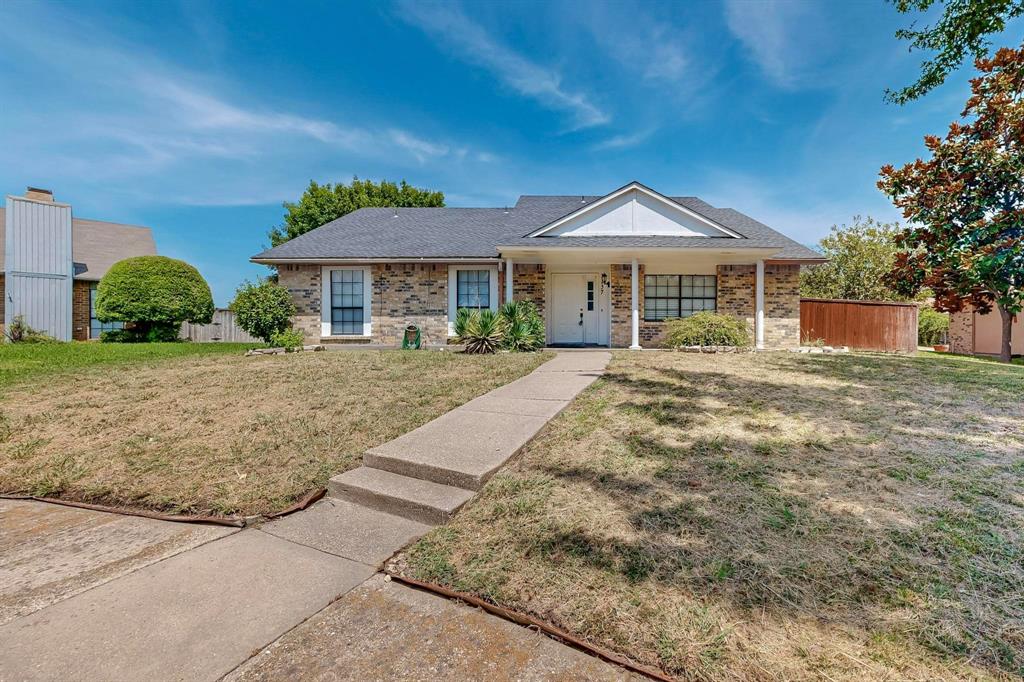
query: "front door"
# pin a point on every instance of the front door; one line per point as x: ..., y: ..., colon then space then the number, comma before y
x: 575, y: 309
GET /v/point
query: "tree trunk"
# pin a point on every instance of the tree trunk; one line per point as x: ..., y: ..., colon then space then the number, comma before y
x: 1004, y: 347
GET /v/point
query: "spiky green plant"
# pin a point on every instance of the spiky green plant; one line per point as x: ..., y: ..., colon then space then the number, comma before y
x: 480, y: 330
x: 524, y: 327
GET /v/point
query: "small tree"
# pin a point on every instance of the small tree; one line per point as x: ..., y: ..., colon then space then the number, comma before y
x: 320, y: 204
x: 155, y: 294
x: 966, y: 203
x: 860, y: 256
x: 263, y: 309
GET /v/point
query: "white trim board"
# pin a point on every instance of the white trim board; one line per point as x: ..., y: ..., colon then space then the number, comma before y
x: 325, y: 300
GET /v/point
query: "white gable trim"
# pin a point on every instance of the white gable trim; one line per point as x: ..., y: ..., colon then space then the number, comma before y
x: 635, y: 187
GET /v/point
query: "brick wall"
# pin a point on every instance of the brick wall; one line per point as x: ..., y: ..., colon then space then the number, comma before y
x: 404, y: 294
x: 303, y: 282
x: 529, y: 283
x: 621, y: 295
x: 961, y: 332
x: 781, y: 306
x: 736, y: 285
x: 80, y: 310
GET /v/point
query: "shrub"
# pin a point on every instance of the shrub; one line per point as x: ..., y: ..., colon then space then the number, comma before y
x: 20, y: 332
x: 263, y: 309
x: 480, y: 330
x: 932, y: 327
x: 523, y: 326
x: 155, y: 294
x: 289, y: 339
x: 708, y: 329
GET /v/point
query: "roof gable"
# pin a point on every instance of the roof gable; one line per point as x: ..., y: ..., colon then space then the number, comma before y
x: 633, y: 211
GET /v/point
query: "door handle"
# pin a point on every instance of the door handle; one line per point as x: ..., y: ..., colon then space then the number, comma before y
x: 581, y: 317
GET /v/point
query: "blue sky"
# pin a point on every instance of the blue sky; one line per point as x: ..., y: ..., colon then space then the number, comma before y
x: 199, y: 118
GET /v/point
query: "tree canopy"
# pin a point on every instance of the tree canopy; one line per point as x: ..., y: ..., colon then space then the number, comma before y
x: 861, y: 256
x: 965, y: 205
x: 961, y: 32
x: 321, y: 204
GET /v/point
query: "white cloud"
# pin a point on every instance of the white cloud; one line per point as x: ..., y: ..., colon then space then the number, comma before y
x: 786, y: 38
x: 447, y: 25
x: 623, y: 141
x: 419, y: 148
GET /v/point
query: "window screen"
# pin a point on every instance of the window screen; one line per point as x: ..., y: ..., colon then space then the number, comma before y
x: 346, y: 302
x: 667, y: 296
x: 473, y: 289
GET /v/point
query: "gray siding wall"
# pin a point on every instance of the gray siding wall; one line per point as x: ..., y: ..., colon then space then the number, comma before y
x: 38, y: 265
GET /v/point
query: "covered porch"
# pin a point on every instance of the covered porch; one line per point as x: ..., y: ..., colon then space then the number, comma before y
x: 623, y: 297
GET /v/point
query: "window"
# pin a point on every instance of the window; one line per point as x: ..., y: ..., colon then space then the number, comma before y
x: 474, y: 289
x: 346, y: 302
x: 668, y: 296
x: 95, y: 326
x: 590, y: 295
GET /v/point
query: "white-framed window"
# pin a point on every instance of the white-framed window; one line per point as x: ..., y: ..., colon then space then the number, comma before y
x: 668, y: 296
x: 471, y: 286
x: 345, y: 300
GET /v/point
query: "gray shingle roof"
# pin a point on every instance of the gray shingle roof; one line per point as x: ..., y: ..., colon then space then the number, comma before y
x: 477, y: 232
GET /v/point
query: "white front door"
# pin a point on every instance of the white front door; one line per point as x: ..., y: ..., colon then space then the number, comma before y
x: 575, y: 310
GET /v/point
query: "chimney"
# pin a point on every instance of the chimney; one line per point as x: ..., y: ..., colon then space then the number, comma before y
x: 37, y: 194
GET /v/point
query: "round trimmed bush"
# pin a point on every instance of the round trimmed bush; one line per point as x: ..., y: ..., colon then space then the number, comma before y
x: 153, y: 295
x: 263, y: 309
x: 708, y: 329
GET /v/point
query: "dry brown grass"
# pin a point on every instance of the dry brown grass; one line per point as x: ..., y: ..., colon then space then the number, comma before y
x: 227, y: 435
x: 767, y: 517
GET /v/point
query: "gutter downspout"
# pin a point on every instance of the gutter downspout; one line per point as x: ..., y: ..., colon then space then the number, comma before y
x: 759, y: 306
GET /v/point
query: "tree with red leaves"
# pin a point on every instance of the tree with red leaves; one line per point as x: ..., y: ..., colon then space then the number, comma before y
x: 965, y: 205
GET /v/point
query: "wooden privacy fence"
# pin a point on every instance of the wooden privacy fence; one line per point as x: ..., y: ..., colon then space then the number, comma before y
x: 865, y: 325
x: 222, y: 328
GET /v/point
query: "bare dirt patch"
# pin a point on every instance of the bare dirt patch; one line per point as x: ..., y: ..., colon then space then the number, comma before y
x: 227, y: 435
x: 767, y: 517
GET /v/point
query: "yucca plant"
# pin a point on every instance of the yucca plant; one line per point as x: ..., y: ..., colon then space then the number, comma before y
x: 524, y: 327
x: 480, y: 330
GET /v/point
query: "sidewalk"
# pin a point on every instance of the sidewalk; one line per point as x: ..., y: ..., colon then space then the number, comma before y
x: 200, y: 613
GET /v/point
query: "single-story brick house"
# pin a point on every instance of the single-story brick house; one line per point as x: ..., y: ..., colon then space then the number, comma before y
x: 604, y: 271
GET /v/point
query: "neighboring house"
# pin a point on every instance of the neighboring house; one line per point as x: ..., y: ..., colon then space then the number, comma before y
x: 972, y: 333
x: 53, y: 262
x: 604, y: 271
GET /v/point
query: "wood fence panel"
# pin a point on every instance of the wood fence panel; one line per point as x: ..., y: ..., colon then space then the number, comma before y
x: 223, y: 328
x: 864, y: 325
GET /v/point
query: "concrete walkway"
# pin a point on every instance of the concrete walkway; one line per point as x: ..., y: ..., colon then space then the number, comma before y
x: 197, y: 612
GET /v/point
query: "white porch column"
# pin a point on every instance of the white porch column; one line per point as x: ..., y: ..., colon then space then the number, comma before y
x: 634, y: 282
x: 759, y: 305
x: 508, y: 280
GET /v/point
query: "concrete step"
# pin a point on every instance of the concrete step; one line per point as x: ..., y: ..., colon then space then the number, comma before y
x: 462, y: 448
x: 411, y: 498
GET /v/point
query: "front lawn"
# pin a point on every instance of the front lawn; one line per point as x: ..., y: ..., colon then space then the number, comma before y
x: 770, y: 516
x: 20, y: 361
x: 223, y: 433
